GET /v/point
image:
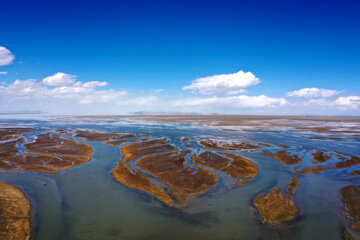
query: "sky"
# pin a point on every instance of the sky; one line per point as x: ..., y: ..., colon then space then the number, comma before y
x: 286, y: 57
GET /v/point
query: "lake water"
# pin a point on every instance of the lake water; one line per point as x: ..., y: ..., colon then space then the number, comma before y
x: 86, y: 203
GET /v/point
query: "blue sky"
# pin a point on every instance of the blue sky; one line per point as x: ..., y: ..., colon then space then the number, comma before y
x: 146, y: 52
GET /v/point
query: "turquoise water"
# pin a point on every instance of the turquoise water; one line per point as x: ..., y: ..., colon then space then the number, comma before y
x: 86, y: 203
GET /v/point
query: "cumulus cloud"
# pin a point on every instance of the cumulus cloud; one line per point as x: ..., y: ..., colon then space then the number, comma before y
x: 86, y: 93
x: 311, y: 93
x: 242, y: 101
x: 352, y: 102
x: 94, y: 84
x: 59, y: 79
x: 343, y: 103
x: 233, y: 83
x: 23, y: 90
x: 6, y: 57
x: 60, y: 86
x: 73, y: 91
x: 3, y: 73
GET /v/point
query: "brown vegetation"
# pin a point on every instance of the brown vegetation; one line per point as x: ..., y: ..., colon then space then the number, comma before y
x: 48, y: 153
x: 12, y: 133
x: 234, y: 165
x: 353, y: 161
x: 116, y: 143
x: 275, y: 206
x: 321, y: 156
x: 347, y: 161
x: 241, y: 167
x: 211, y: 159
x: 132, y: 178
x: 14, y: 214
x: 284, y: 156
x: 347, y: 235
x: 49, y: 143
x: 351, y: 197
x: 65, y: 131
x: 281, y: 145
x: 185, y: 180
x: 242, y: 182
x: 101, y: 136
x: 227, y: 146
x: 135, y: 150
x: 9, y: 148
x: 293, y: 185
x: 168, y: 165
x: 313, y: 170
x: 187, y: 141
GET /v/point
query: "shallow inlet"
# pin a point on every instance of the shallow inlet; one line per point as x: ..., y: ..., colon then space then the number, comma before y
x: 85, y: 202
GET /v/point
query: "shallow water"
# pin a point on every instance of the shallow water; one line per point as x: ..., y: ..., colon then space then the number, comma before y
x: 85, y: 202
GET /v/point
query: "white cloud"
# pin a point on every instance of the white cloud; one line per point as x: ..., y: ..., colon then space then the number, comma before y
x: 242, y: 101
x: 86, y: 93
x: 77, y: 92
x: 3, y: 73
x: 83, y: 93
x: 104, y: 96
x: 6, y: 57
x: 311, y: 93
x: 94, y: 84
x: 23, y: 90
x: 348, y: 103
x: 59, y: 79
x: 352, y: 102
x: 233, y: 83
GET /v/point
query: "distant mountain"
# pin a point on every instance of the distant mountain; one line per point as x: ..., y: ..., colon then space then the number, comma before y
x: 165, y: 113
